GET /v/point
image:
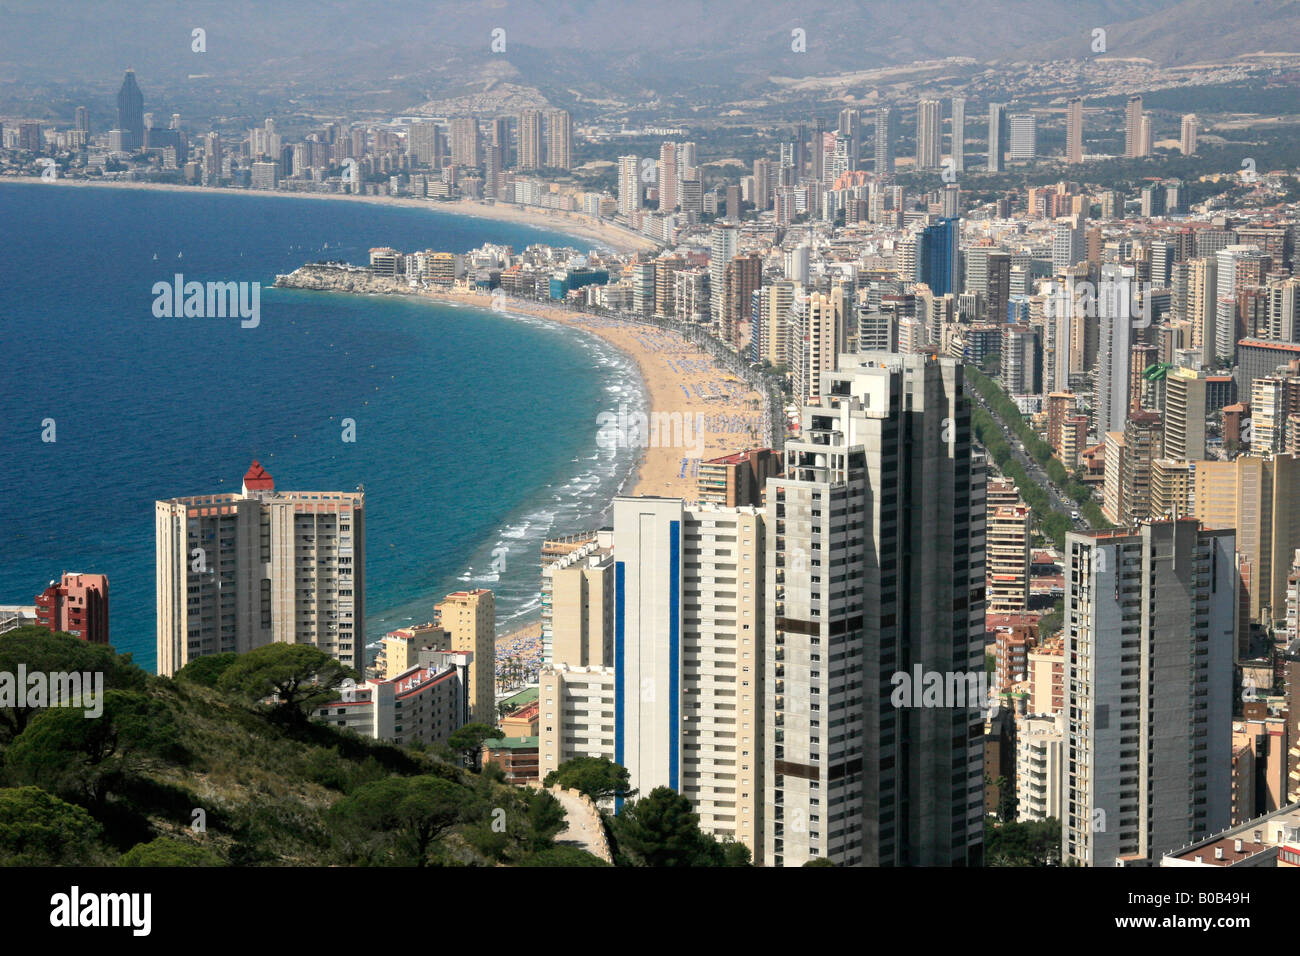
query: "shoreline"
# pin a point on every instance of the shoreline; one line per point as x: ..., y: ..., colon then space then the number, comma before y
x: 576, y: 225
x: 713, y: 419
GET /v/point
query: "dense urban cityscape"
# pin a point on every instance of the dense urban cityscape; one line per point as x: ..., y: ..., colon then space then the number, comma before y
x: 957, y: 523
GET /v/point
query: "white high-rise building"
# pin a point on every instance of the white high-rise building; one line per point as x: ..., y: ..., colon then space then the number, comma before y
x: 997, y: 137
x: 929, y: 134
x: 1069, y: 246
x: 1024, y: 136
x: 958, y: 135
x: 629, y: 185
x: 1228, y: 260
x: 1149, y: 635
x: 689, y: 658
x: 238, y: 571
x: 725, y: 246
x: 1040, y: 770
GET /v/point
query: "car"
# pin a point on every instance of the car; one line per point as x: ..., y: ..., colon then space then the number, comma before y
x: 1074, y: 515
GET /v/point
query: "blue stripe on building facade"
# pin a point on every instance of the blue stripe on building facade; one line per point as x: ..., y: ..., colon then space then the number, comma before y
x: 620, y: 611
x: 674, y: 649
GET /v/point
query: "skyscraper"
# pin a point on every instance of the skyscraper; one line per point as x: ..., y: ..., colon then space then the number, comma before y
x: 938, y: 257
x: 849, y: 128
x: 466, y: 143
x: 629, y: 185
x: 501, y: 139
x: 1074, y: 130
x: 1190, y: 128
x: 1115, y: 324
x: 997, y: 137
x: 130, y: 112
x: 237, y: 571
x: 725, y: 245
x: 929, y: 134
x: 1024, y: 136
x: 1133, y: 128
x: 666, y: 174
x: 958, y: 135
x: 875, y: 539
x: 559, y: 139
x: 530, y: 139
x: 424, y: 142
x: 1148, y: 689
x: 885, y: 133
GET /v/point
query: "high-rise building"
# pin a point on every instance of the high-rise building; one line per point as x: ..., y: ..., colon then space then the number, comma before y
x: 737, y: 480
x: 559, y: 139
x: 958, y: 134
x: 1133, y: 128
x: 501, y: 139
x: 665, y: 269
x: 886, y: 132
x: 1148, y: 690
x: 530, y: 139
x: 629, y: 185
x: 689, y: 655
x: 876, y: 575
x: 1022, y: 364
x: 929, y: 134
x: 83, y: 119
x: 723, y: 248
x: 997, y: 137
x: 666, y: 170
x: 849, y: 130
x: 1260, y: 498
x: 740, y: 280
x: 1024, y: 136
x: 1202, y: 283
x: 1008, y: 559
x: 1074, y: 130
x: 938, y: 257
x: 1283, y: 314
x: 1115, y: 329
x: 469, y: 620
x: 466, y: 143
x: 238, y: 571
x: 1185, y: 411
x: 76, y: 604
x: 130, y: 112
x: 424, y: 142
x: 1143, y: 444
x: 1191, y: 128
x: 817, y: 334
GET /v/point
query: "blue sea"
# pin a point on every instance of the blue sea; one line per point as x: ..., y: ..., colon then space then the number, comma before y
x: 475, y: 431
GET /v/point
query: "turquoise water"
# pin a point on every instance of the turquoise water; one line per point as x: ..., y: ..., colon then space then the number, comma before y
x: 475, y: 431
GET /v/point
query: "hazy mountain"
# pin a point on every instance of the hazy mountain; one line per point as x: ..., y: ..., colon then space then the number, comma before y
x: 1192, y: 31
x: 407, y: 51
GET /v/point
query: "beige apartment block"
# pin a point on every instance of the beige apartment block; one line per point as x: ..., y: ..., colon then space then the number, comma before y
x: 469, y: 618
x: 1260, y: 498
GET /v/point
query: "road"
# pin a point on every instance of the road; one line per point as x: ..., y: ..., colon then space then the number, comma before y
x: 1036, y: 473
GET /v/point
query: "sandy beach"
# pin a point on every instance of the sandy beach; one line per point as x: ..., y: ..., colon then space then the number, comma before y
x: 576, y: 224
x: 714, y: 413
